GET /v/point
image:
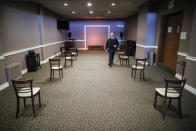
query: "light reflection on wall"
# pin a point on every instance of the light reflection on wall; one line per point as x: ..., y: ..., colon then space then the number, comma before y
x: 97, y: 35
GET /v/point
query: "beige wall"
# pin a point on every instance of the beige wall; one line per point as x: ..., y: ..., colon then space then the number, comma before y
x: 190, y: 72
x: 19, y: 26
x: 131, y: 27
x: 52, y: 34
x: 20, y: 29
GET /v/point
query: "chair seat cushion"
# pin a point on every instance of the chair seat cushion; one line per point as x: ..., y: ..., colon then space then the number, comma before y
x: 74, y: 53
x: 57, y: 67
x: 68, y: 57
x: 170, y: 92
x: 121, y: 53
x: 35, y: 91
x: 138, y: 67
x: 124, y: 57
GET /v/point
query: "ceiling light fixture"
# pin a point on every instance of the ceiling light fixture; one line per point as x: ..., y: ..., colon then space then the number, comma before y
x: 65, y: 4
x: 89, y: 4
x: 91, y: 12
x: 113, y: 4
x: 109, y: 12
x: 73, y: 12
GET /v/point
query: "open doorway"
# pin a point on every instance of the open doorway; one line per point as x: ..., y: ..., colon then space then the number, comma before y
x: 172, y: 25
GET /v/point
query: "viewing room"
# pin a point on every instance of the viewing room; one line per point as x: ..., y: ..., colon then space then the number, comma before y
x: 91, y: 65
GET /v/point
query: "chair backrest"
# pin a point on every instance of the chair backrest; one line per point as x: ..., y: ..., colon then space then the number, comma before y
x: 54, y: 63
x: 23, y: 86
x: 182, y: 66
x: 174, y: 84
x: 140, y: 62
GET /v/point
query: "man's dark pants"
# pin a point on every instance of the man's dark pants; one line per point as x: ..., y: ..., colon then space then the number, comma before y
x: 111, y: 56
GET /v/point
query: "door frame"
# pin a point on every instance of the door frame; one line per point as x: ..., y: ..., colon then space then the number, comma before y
x: 162, y: 36
x: 86, y: 26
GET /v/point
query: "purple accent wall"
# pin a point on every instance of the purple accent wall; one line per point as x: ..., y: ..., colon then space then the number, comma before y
x: 78, y: 33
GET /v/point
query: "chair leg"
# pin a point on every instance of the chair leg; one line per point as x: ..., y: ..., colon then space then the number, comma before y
x: 60, y: 74
x: 33, y: 106
x: 65, y: 63
x: 140, y: 74
x: 18, y: 107
x: 24, y: 102
x: 155, y: 100
x: 169, y: 106
x: 134, y: 74
x: 53, y: 73
x: 71, y: 62
x: 39, y: 99
x: 179, y: 106
x: 50, y: 75
x: 164, y: 101
x: 143, y: 75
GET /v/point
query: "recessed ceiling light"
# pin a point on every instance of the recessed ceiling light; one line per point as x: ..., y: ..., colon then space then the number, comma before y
x: 65, y: 4
x: 91, y: 12
x: 113, y: 4
x: 73, y: 12
x: 109, y: 12
x: 89, y: 4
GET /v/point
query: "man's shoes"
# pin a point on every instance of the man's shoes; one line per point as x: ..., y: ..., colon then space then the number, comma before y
x: 110, y: 65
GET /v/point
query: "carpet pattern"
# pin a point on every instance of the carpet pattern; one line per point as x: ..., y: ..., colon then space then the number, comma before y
x: 93, y: 96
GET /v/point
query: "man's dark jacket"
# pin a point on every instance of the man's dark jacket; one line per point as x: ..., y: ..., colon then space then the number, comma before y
x: 110, y: 44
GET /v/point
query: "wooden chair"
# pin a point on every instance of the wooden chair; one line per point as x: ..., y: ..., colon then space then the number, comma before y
x: 139, y: 65
x: 55, y: 66
x: 183, y: 66
x: 74, y: 51
x: 68, y: 57
x: 120, y: 52
x: 24, y: 89
x: 124, y: 57
x: 173, y: 90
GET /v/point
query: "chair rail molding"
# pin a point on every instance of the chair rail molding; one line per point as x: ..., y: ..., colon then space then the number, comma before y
x: 188, y: 57
x: 30, y: 48
x: 3, y: 86
x: 2, y: 57
x: 146, y: 46
x: 182, y: 54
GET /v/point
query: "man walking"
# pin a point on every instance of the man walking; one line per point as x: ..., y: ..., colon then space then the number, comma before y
x: 111, y: 47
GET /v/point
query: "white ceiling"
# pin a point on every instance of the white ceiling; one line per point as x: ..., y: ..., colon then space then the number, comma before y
x: 122, y: 9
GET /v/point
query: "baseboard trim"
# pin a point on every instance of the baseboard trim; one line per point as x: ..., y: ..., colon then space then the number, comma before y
x: 3, y: 86
x: 187, y: 87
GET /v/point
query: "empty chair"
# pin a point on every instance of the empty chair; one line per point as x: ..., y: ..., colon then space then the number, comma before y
x: 123, y: 56
x: 68, y: 57
x: 24, y: 89
x: 173, y: 90
x: 55, y: 65
x: 120, y: 52
x: 74, y: 51
x: 139, y: 65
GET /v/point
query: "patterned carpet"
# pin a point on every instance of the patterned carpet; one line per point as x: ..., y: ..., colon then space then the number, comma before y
x: 93, y: 96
